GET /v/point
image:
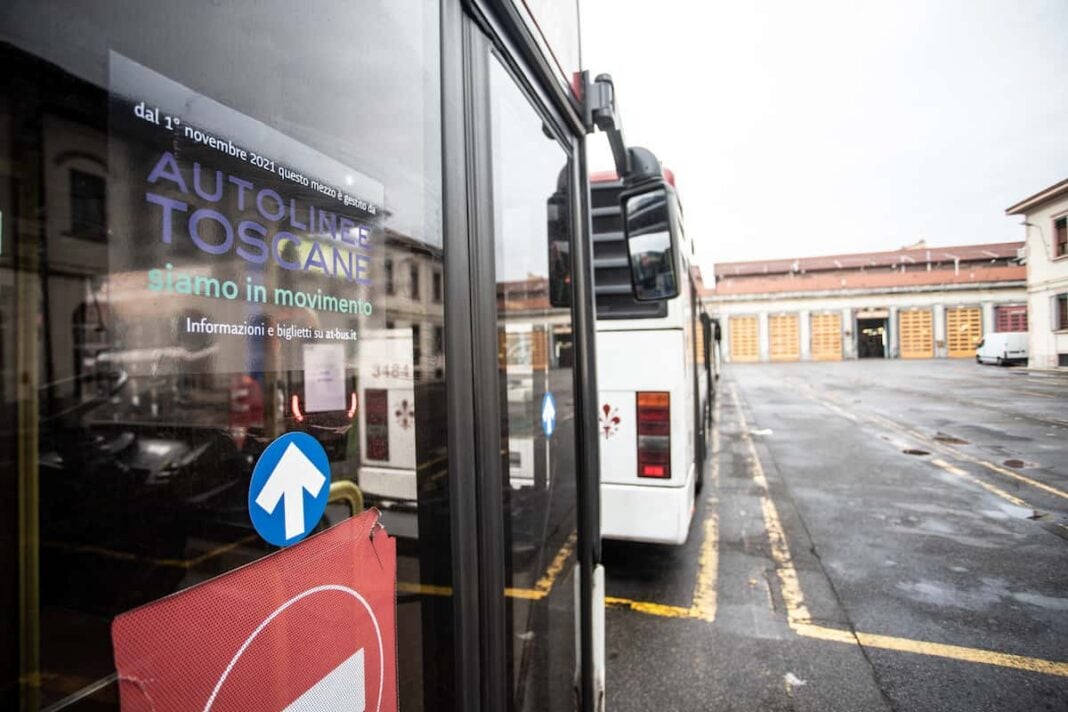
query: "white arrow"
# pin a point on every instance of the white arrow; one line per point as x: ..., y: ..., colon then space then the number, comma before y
x: 548, y: 415
x: 341, y: 689
x: 293, y: 474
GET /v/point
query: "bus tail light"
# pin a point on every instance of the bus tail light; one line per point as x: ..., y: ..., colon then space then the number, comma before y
x: 654, y: 434
x: 294, y: 406
x: 351, y: 412
x: 376, y: 423
x: 246, y: 407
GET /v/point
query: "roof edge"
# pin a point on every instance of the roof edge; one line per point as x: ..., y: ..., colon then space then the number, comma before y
x: 1043, y: 196
x: 1008, y: 245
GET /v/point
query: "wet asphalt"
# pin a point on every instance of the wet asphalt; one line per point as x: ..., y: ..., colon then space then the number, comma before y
x: 907, y: 561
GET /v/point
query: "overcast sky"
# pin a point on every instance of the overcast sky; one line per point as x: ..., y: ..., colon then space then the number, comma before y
x: 808, y: 128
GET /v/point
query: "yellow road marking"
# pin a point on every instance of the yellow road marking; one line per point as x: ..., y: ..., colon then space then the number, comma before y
x: 542, y: 588
x: 703, y: 606
x: 938, y: 650
x: 961, y: 455
x: 840, y: 411
x: 217, y: 551
x: 789, y: 584
x: 953, y: 470
x: 129, y: 556
x: 427, y: 589
x: 835, y: 635
x: 545, y: 583
x: 798, y: 616
x: 433, y: 463
x: 703, y: 603
x: 945, y: 448
x: 1014, y: 475
x: 655, y: 609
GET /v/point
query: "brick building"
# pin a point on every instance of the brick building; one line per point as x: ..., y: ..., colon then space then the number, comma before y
x: 916, y: 302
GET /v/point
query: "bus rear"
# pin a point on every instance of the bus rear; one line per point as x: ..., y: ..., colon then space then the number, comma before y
x: 653, y: 389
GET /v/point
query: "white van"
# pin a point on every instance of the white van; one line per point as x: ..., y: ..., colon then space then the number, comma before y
x: 1002, y: 348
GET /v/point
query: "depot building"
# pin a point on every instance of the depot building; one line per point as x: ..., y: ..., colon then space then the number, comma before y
x: 916, y: 302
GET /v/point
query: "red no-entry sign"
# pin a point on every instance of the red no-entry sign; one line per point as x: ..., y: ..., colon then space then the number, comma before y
x: 312, y: 627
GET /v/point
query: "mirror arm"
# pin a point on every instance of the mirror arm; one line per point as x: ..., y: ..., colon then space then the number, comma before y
x: 601, y: 113
x: 634, y: 165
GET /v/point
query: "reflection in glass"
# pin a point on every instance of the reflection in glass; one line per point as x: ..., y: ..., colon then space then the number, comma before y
x: 182, y: 280
x: 647, y: 222
x: 532, y: 231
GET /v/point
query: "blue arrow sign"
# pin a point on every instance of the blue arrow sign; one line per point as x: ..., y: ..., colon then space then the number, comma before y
x: 289, y: 489
x: 548, y: 414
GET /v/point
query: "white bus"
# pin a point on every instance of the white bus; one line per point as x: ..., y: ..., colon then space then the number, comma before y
x: 656, y: 366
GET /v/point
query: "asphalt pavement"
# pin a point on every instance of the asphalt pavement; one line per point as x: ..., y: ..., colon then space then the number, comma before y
x: 874, y: 535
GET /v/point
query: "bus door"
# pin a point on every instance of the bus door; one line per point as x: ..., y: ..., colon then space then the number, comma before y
x: 221, y: 223
x: 225, y: 223
x: 523, y: 166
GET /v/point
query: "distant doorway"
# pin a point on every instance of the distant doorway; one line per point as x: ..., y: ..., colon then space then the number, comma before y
x: 871, y: 338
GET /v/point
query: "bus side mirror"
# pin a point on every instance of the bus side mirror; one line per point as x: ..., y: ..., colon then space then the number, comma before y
x: 558, y: 231
x: 652, y: 244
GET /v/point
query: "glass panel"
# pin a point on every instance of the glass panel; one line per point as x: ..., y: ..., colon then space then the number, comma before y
x: 648, y: 232
x: 197, y: 206
x: 556, y: 22
x: 531, y: 195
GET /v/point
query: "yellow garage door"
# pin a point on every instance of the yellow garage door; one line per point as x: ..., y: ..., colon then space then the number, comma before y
x: 916, y: 335
x: 785, y: 337
x: 745, y: 338
x: 826, y: 337
x: 964, y: 328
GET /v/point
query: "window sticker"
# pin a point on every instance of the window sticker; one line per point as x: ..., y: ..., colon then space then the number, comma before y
x: 324, y: 377
x: 223, y: 226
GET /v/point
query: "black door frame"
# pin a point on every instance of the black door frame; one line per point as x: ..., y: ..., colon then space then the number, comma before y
x: 469, y: 30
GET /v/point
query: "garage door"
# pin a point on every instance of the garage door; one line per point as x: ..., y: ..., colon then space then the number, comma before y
x: 785, y: 337
x: 827, y: 337
x: 964, y: 328
x: 745, y: 338
x: 1011, y: 318
x: 917, y: 337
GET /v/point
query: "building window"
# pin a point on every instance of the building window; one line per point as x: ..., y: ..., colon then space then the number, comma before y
x: 437, y: 287
x: 88, y: 199
x: 1060, y: 236
x: 439, y: 351
x: 389, y: 276
x: 417, y: 345
x: 1060, y: 312
x: 413, y: 271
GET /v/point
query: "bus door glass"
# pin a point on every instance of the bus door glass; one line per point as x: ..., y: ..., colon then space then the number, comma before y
x: 531, y: 196
x: 221, y: 222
